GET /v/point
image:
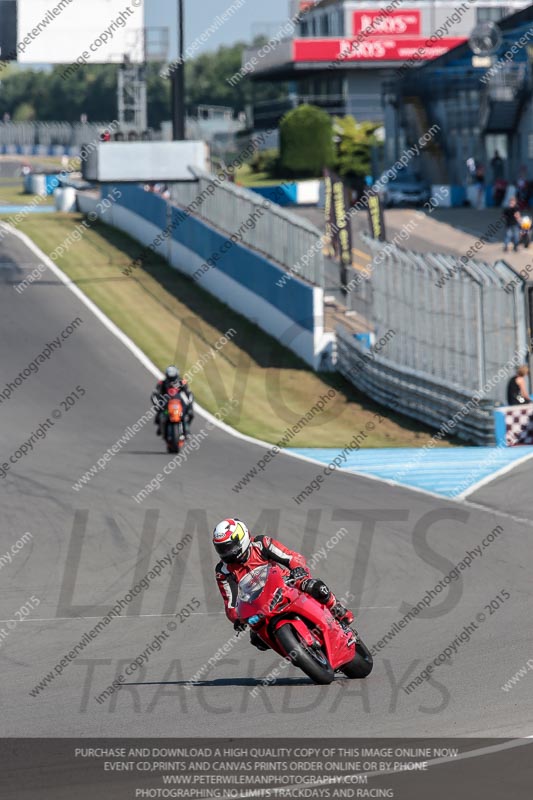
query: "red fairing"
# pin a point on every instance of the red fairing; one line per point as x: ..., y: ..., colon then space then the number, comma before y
x: 278, y: 604
x: 263, y: 550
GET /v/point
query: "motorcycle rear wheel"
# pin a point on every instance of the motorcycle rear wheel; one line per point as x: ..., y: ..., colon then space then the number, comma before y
x: 172, y: 438
x: 313, y: 663
x: 361, y: 664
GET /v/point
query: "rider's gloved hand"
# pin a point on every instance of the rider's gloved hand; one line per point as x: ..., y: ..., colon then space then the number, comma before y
x: 298, y: 573
x: 239, y: 626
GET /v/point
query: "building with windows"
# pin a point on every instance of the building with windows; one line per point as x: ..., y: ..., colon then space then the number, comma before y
x: 341, y: 53
x: 482, y: 103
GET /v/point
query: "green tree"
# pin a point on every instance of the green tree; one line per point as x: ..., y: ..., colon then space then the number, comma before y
x: 354, y: 146
x: 92, y: 88
x: 306, y: 141
x: 24, y: 113
x: 207, y: 80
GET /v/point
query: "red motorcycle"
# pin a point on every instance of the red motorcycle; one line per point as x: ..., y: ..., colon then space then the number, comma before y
x: 295, y: 625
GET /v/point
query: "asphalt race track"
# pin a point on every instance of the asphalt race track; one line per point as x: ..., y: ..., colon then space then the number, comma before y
x: 91, y: 546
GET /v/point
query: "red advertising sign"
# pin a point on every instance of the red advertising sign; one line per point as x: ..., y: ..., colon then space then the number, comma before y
x: 396, y: 23
x: 347, y: 50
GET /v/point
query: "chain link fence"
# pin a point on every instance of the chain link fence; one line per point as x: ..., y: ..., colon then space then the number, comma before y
x: 287, y: 239
x: 459, y: 331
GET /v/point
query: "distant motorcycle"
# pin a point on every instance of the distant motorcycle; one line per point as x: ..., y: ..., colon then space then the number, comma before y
x: 171, y: 411
x: 525, y: 231
x: 299, y: 628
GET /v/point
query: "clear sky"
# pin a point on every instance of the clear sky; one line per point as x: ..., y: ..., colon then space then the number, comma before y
x: 253, y: 17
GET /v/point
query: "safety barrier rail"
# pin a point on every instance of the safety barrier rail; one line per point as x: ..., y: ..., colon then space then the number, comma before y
x: 419, y: 396
x: 456, y: 332
x: 291, y: 241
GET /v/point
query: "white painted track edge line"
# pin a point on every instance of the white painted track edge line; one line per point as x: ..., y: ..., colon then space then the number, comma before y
x: 489, y: 478
x: 154, y: 370
x: 151, y: 367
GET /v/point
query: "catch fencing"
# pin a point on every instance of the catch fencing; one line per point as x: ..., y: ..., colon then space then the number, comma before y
x: 459, y: 333
x: 48, y: 134
x: 276, y: 233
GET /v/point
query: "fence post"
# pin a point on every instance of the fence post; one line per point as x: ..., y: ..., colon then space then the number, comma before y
x: 481, y: 337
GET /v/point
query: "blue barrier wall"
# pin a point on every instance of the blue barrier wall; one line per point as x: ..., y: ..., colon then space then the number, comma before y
x: 148, y: 205
x: 284, y: 194
x: 458, y: 195
x: 39, y: 150
x: 251, y: 270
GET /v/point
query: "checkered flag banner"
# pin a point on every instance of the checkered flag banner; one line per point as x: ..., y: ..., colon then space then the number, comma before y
x: 514, y: 425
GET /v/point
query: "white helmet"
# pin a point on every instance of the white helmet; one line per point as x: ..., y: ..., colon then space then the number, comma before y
x: 232, y: 541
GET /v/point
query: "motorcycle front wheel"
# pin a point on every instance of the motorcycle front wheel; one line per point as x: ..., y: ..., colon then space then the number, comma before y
x: 361, y: 664
x: 310, y: 660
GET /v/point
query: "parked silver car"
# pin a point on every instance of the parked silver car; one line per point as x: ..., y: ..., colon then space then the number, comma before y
x: 406, y: 188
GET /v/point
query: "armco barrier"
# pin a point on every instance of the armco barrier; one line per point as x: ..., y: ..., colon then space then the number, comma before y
x: 245, y: 280
x: 415, y: 394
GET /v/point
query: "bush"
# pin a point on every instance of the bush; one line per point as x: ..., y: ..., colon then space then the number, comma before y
x: 265, y: 161
x: 306, y: 142
x: 354, y: 151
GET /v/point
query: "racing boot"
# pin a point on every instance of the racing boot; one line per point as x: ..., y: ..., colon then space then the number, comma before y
x: 340, y: 612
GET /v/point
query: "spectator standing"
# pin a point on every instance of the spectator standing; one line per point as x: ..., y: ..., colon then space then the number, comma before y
x: 480, y: 184
x: 497, y: 167
x: 517, y: 393
x: 511, y: 217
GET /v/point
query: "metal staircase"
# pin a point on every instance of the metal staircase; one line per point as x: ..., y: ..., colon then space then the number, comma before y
x: 502, y: 100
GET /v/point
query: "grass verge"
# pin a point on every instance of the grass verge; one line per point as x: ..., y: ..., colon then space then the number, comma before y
x: 13, y: 195
x: 172, y: 319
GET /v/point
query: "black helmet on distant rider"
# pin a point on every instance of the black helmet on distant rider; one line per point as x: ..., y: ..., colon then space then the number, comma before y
x: 172, y: 375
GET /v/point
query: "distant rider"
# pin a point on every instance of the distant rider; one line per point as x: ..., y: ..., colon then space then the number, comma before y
x: 241, y: 553
x: 173, y: 380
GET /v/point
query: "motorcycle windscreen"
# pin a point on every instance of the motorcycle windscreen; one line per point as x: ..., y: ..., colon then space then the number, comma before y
x: 251, y: 586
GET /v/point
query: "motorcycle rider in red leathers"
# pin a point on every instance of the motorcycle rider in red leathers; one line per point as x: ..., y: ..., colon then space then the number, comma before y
x: 240, y: 554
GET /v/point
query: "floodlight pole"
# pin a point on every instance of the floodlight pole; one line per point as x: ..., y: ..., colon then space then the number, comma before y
x: 178, y: 84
